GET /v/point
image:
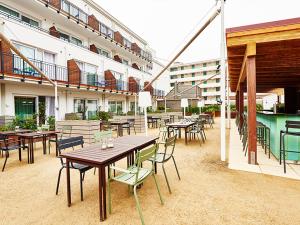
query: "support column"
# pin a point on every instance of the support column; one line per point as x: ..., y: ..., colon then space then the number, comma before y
x: 251, y: 92
x: 237, y: 110
x: 241, y: 104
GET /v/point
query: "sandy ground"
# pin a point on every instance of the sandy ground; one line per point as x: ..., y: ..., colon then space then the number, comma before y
x: 208, y: 193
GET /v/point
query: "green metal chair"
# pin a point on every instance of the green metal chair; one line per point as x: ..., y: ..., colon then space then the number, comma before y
x: 65, y: 132
x: 165, y: 156
x: 45, y: 127
x: 135, y: 175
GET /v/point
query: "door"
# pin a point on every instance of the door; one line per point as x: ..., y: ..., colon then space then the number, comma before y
x: 25, y: 107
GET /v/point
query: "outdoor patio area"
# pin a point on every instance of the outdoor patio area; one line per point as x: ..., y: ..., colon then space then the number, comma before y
x: 208, y: 192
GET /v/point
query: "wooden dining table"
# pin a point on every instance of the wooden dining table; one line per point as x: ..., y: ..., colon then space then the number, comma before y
x: 119, y: 125
x: 181, y: 125
x: 30, y: 137
x: 94, y: 156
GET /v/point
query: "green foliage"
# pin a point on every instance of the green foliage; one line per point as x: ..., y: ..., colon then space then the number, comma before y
x: 193, y: 110
x: 51, y: 122
x: 30, y: 123
x: 210, y: 108
x: 259, y: 107
x: 71, y: 116
x: 161, y: 108
x: 104, y: 116
x: 232, y: 108
x: 42, y: 115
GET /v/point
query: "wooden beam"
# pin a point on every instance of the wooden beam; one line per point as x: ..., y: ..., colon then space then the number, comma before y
x: 251, y: 95
x: 250, y: 51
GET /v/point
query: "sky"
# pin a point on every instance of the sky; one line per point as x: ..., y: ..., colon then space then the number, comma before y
x: 167, y: 24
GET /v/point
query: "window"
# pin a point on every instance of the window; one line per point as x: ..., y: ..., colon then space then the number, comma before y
x: 193, y: 74
x: 182, y: 76
x: 172, y: 84
x: 217, y: 88
x: 91, y: 75
x: 193, y: 66
x: 182, y: 68
x: 105, y: 53
x: 115, y: 106
x: 91, y: 108
x: 205, y: 90
x: 204, y: 73
x: 205, y: 98
x: 66, y: 6
x: 193, y: 83
x: 106, y: 31
x: 30, y: 21
x: 217, y: 63
x: 64, y: 37
x: 125, y: 62
x: 9, y: 11
x: 204, y: 64
x: 205, y: 82
x: 173, y: 69
x: 218, y: 80
x: 76, y: 41
x: 25, y: 107
x: 173, y: 77
x: 127, y: 43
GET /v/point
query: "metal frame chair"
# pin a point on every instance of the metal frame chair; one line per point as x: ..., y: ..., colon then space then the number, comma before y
x: 135, y: 175
x: 131, y: 123
x: 66, y: 132
x: 71, y: 143
x: 7, y: 145
x: 165, y: 156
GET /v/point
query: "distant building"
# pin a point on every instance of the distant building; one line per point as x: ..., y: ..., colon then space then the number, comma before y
x: 194, y: 73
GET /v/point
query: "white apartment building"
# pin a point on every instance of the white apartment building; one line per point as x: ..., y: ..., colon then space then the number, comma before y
x: 205, y: 74
x: 96, y: 59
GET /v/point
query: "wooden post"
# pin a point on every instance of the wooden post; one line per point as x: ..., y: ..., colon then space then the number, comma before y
x: 251, y: 91
x: 237, y: 109
x: 241, y: 104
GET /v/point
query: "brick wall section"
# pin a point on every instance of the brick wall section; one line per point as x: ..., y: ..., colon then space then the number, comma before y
x: 73, y: 72
x: 55, y: 3
x: 6, y: 58
x: 111, y: 82
x: 54, y: 32
x: 117, y: 58
x: 93, y: 48
x: 135, y: 66
x: 133, y: 85
x: 135, y: 48
x: 93, y: 22
x: 118, y: 37
x: 149, y: 88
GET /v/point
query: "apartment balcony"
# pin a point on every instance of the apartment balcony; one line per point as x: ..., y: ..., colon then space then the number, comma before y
x: 196, y: 78
x: 90, y: 22
x: 196, y: 70
x: 211, y: 93
x: 158, y: 93
x: 133, y: 85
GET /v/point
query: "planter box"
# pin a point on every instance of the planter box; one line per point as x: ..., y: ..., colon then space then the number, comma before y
x: 85, y: 128
x: 4, y: 120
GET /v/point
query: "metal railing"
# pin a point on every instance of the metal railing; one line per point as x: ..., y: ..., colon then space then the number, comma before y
x: 74, y: 11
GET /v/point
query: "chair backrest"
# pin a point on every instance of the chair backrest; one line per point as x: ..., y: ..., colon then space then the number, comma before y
x: 169, y: 147
x: 144, y: 155
x: 66, y: 131
x: 131, y: 122
x: 99, y: 135
x: 290, y: 124
x: 45, y: 127
x: 69, y: 143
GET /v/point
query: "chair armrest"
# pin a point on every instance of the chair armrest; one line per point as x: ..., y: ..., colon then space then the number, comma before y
x: 120, y: 169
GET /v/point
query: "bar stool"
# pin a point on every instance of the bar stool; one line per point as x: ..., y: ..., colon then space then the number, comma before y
x: 263, y: 137
x: 288, y: 125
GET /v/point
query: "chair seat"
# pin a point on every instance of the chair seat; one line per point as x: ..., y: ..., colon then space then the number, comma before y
x: 10, y: 147
x: 160, y: 157
x: 79, y: 166
x: 130, y: 179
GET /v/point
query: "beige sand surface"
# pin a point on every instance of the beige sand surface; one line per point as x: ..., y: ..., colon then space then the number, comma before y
x: 209, y: 193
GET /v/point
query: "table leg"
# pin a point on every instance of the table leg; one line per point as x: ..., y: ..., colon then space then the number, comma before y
x: 120, y: 129
x: 185, y: 135
x: 44, y: 144
x: 104, y: 192
x: 100, y: 194
x: 68, y: 183
x: 20, y: 149
x: 32, y: 151
x: 56, y: 150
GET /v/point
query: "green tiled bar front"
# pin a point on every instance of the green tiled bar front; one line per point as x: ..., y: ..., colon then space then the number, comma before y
x: 276, y: 123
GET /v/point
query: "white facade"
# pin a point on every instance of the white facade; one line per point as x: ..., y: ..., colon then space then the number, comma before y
x: 205, y: 74
x: 27, y: 26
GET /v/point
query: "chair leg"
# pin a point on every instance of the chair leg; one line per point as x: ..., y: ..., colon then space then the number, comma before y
x: 166, y: 178
x: 58, y: 180
x: 283, y: 155
x: 49, y: 146
x: 176, y: 167
x: 138, y: 205
x: 81, y: 192
x: 157, y: 187
x: 6, y: 156
x: 83, y: 175
x: 94, y: 170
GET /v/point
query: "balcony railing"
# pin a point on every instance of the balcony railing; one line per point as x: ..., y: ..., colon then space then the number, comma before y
x: 74, y: 11
x: 158, y: 93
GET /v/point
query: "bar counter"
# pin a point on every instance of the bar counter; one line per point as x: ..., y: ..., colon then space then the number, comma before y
x: 276, y: 123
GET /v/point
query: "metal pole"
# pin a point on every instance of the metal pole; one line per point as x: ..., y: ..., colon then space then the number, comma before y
x: 165, y: 105
x: 145, y: 120
x: 135, y: 107
x: 56, y: 102
x: 216, y: 13
x: 223, y: 130
x: 228, y: 100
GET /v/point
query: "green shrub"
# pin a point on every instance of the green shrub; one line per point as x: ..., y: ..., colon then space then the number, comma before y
x: 105, y: 116
x: 51, y: 122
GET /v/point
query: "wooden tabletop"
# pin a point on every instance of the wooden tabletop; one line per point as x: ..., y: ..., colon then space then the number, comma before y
x: 118, y: 122
x: 15, y: 131
x: 122, y: 146
x: 37, y: 134
x: 180, y: 124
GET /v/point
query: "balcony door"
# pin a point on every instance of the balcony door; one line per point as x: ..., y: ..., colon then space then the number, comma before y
x: 21, y: 67
x: 25, y: 107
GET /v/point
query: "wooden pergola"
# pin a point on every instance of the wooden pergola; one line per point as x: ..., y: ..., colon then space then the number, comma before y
x: 263, y: 57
